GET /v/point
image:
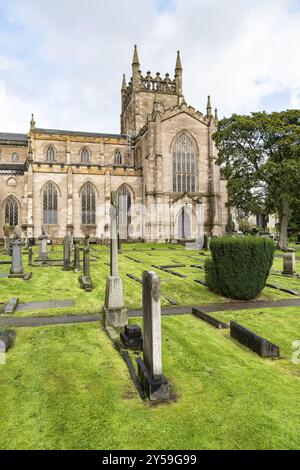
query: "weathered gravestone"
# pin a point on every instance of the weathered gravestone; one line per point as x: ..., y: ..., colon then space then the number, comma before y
x: 85, y: 279
x: 289, y: 263
x: 6, y: 231
x: 150, y: 372
x: 67, y: 254
x: 76, y: 266
x: 114, y: 311
x: 43, y: 245
x: 30, y: 256
x: 260, y: 346
x: 16, y: 270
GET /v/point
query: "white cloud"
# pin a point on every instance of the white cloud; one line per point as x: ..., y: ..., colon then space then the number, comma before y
x: 76, y: 52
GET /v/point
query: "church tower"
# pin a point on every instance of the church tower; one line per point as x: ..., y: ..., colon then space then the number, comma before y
x: 143, y: 92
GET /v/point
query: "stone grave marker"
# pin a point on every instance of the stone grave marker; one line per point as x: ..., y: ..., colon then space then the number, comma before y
x: 150, y: 371
x: 67, y: 254
x: 289, y: 263
x: 132, y: 337
x: 43, y: 245
x: 85, y: 279
x: 77, y: 267
x: 114, y: 311
x: 30, y: 256
x: 16, y: 270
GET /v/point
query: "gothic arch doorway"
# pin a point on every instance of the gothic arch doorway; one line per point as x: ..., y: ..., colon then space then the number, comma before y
x: 124, y: 201
x: 184, y: 225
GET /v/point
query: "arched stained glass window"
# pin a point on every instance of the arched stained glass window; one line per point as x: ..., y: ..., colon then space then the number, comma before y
x: 85, y: 155
x: 124, y: 206
x: 50, y: 154
x: 88, y: 205
x: 11, y: 211
x: 118, y: 158
x: 184, y: 165
x: 50, y: 204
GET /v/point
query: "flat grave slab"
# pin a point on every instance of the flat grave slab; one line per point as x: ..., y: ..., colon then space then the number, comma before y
x: 11, y: 306
x: 3, y: 275
x: 45, y: 305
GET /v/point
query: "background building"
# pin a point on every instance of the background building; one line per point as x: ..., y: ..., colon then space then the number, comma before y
x: 163, y: 166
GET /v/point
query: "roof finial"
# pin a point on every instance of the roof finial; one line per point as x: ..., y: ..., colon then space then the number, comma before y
x: 178, y: 62
x: 124, y: 85
x: 32, y: 122
x: 209, y: 108
x: 135, y: 57
x: 216, y: 115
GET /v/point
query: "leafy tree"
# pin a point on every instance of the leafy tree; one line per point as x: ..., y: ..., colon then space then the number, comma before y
x: 260, y: 156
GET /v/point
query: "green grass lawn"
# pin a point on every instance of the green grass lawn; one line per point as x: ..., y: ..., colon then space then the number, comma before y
x: 52, y: 283
x: 65, y: 387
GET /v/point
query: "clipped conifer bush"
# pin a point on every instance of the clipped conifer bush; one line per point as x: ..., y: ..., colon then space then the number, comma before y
x: 240, y: 266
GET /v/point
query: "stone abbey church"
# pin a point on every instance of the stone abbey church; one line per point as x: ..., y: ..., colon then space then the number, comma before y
x: 162, y: 166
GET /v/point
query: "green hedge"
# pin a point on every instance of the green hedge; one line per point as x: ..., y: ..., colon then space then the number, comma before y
x: 240, y: 266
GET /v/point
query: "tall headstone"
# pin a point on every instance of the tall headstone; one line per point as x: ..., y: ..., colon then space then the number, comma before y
x: 77, y: 267
x: 43, y: 245
x: 6, y: 231
x: 30, y: 256
x: 150, y: 368
x: 67, y: 254
x: 289, y: 263
x: 85, y: 279
x: 16, y: 263
x: 114, y: 311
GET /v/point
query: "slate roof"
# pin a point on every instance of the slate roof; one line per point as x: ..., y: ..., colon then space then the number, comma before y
x: 81, y: 134
x: 10, y: 138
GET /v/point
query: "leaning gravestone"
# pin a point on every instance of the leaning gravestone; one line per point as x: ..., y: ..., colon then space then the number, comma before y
x: 289, y: 263
x: 114, y: 311
x: 150, y: 372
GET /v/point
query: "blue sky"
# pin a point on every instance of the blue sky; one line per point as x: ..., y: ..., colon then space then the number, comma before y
x: 64, y: 59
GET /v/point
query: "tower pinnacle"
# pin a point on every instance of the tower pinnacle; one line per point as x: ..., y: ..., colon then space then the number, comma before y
x: 124, y: 85
x: 135, y: 57
x: 32, y: 122
x: 178, y: 62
